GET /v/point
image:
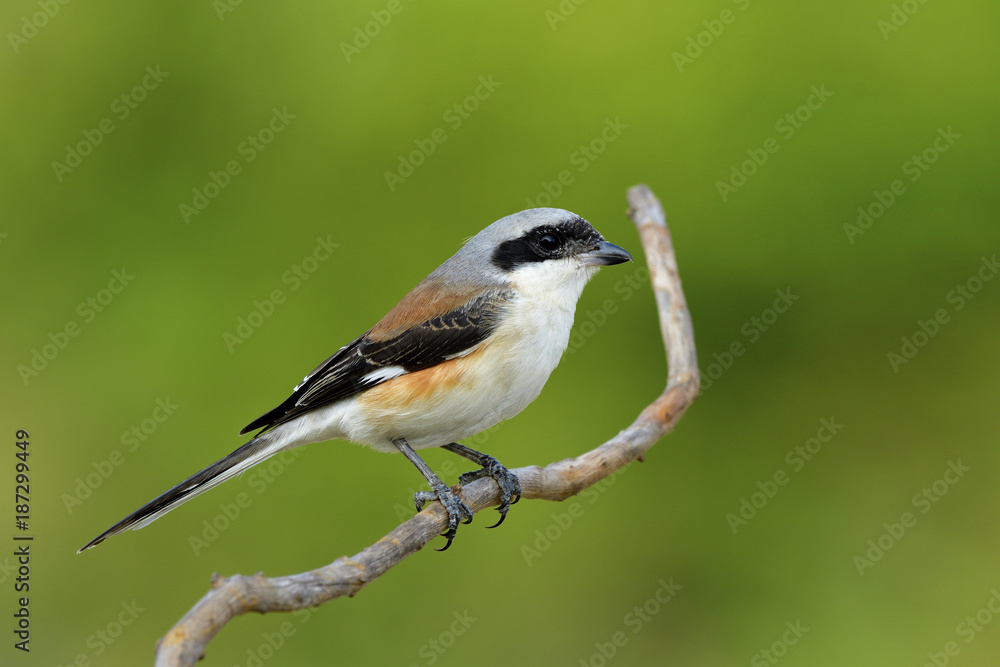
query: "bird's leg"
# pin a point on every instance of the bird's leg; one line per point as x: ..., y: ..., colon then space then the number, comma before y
x: 510, y: 486
x: 457, y: 510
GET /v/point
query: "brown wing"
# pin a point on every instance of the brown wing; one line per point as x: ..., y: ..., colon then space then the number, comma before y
x: 388, y: 351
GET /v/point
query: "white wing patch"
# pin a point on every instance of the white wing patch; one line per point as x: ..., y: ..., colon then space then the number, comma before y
x: 383, y: 374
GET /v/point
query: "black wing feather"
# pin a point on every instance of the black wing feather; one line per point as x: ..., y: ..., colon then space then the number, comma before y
x: 346, y: 373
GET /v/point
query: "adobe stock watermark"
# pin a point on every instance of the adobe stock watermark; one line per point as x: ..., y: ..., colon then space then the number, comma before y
x: 562, y: 12
x: 364, y: 34
x: 581, y: 158
x: 88, y: 310
x: 131, y: 440
x: 454, y: 116
x: 294, y: 277
x: 432, y: 650
x: 103, y: 637
x: 752, y: 330
x: 898, y: 17
x: 957, y: 298
x: 272, y: 641
x: 786, y: 126
x: 697, y: 43
x: 31, y: 24
x: 779, y: 649
x: 249, y: 149
x: 121, y: 108
x: 913, y: 168
x: 967, y: 630
x: 796, y: 458
x: 634, y: 621
x: 563, y: 521
x: 594, y: 319
x: 223, y: 7
x: 258, y: 478
x: 922, y: 501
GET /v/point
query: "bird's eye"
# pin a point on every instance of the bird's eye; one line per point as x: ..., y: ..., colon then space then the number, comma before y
x: 549, y: 242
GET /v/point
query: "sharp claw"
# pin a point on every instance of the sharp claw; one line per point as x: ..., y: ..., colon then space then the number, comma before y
x: 451, y: 538
x: 420, y: 499
x: 510, y: 486
x: 458, y: 512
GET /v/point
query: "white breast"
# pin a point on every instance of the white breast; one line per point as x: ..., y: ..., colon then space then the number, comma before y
x: 496, y: 383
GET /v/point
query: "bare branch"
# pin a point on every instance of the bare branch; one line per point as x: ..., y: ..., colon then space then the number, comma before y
x: 239, y: 594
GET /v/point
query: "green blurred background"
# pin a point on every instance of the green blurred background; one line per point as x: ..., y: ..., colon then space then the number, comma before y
x: 684, y: 94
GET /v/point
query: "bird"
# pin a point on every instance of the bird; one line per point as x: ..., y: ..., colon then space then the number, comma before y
x: 470, y: 346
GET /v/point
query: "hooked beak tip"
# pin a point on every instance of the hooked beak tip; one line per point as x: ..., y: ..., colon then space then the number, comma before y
x: 606, y: 254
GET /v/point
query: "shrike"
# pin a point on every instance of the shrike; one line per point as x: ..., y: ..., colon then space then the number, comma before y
x: 470, y: 346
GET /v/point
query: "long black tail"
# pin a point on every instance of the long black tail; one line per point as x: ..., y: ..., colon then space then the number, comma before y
x: 260, y: 448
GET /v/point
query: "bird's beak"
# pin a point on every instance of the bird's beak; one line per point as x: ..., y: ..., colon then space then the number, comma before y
x: 605, y: 254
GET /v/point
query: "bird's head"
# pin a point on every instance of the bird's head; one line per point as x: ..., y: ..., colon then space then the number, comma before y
x: 539, y: 249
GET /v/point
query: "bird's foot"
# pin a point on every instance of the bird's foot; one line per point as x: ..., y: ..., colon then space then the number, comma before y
x: 510, y: 485
x: 457, y: 510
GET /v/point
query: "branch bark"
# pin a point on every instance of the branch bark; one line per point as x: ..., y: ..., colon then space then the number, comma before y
x: 232, y: 596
